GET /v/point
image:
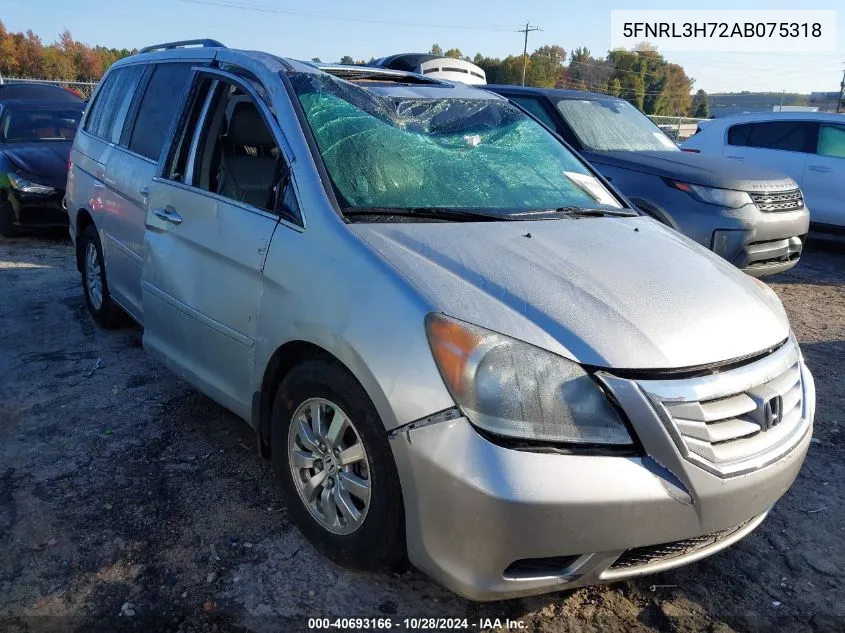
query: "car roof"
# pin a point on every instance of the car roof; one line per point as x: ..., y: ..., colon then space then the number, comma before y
x: 377, y: 79
x: 36, y: 91
x: 759, y: 117
x: 29, y: 104
x: 557, y: 93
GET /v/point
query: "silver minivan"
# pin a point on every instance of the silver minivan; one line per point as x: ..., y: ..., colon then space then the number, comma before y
x: 454, y: 339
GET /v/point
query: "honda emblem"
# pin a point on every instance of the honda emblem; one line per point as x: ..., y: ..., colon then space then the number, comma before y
x: 772, y: 412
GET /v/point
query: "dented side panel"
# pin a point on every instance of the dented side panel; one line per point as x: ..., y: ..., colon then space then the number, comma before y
x: 202, y: 287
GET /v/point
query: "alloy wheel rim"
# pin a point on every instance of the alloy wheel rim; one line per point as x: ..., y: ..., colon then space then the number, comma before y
x: 94, y: 276
x: 330, y: 467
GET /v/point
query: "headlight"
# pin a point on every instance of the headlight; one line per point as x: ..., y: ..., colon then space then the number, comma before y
x: 27, y: 186
x: 514, y: 389
x: 711, y: 195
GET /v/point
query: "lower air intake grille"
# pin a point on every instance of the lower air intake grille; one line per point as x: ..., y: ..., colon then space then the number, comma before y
x: 650, y: 554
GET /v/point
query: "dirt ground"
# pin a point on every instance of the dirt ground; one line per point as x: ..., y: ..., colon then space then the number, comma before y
x: 128, y: 501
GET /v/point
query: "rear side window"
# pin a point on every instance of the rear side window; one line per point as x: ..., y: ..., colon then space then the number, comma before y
x: 832, y: 140
x: 790, y: 136
x: 158, y: 108
x: 536, y: 108
x: 108, y: 114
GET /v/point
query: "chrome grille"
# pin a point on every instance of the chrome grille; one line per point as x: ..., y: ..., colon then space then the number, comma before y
x: 727, y: 421
x: 791, y: 200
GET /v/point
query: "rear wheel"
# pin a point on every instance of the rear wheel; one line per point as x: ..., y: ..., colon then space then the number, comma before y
x: 331, y: 454
x: 105, y: 311
x: 7, y: 221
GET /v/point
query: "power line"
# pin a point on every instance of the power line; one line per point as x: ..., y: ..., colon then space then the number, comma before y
x: 528, y: 28
x: 340, y: 17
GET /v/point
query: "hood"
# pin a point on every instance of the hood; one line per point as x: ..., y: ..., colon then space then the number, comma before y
x: 45, y: 161
x: 696, y: 169
x: 623, y: 293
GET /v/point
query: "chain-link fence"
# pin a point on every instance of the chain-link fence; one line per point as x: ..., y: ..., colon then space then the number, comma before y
x: 678, y: 128
x: 83, y: 88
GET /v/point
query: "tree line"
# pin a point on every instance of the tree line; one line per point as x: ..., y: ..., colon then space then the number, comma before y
x: 642, y: 76
x: 25, y: 55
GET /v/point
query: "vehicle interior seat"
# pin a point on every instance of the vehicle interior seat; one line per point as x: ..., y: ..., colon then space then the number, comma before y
x: 247, y: 171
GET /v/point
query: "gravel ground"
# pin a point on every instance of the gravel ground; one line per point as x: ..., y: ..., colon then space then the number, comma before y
x: 129, y: 501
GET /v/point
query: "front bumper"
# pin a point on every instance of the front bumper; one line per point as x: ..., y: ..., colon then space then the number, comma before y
x: 491, y: 522
x: 761, y: 243
x: 38, y: 211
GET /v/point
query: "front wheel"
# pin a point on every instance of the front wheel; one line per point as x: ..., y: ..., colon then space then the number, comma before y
x: 102, y: 307
x: 331, y: 454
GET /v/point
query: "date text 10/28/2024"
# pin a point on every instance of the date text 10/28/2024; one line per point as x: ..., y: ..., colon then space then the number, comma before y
x: 416, y: 624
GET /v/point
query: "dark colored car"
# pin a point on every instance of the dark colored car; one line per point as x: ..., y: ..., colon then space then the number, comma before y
x: 37, y: 92
x: 35, y: 141
x: 753, y: 217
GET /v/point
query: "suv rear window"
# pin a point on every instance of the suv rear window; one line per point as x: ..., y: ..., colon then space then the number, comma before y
x: 158, y: 107
x: 108, y: 114
x: 791, y: 136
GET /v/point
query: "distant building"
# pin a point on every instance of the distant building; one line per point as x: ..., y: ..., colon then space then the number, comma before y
x: 826, y: 101
x: 722, y: 105
x: 435, y: 66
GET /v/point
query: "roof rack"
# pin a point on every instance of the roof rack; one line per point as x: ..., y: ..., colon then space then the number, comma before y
x: 205, y: 43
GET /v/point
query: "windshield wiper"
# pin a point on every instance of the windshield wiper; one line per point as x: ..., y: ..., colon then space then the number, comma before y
x: 434, y: 213
x: 586, y: 212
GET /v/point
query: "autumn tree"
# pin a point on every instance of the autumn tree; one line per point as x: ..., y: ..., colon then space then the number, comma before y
x: 700, y: 105
x: 25, y: 55
x: 546, y: 66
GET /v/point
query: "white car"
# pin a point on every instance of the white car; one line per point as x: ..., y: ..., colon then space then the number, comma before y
x: 808, y: 146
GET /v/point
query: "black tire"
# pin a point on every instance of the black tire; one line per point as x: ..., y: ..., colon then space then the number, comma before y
x: 379, y: 542
x: 109, y: 315
x: 7, y: 221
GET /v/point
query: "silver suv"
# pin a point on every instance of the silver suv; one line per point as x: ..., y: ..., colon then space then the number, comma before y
x: 453, y: 338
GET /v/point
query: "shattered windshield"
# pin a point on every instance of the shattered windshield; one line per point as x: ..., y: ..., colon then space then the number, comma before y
x: 408, y: 153
x: 606, y: 125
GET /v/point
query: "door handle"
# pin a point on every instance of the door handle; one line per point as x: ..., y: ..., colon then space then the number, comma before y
x: 820, y: 168
x: 168, y: 214
x: 144, y: 191
x: 735, y: 157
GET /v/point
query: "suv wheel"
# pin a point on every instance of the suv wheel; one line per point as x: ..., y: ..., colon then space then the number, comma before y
x: 105, y: 311
x: 331, y: 454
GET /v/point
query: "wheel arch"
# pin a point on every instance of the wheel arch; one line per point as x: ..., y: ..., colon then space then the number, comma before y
x: 285, y: 358
x: 655, y: 211
x: 83, y: 221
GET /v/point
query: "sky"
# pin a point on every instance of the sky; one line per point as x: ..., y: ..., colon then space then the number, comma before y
x: 377, y: 28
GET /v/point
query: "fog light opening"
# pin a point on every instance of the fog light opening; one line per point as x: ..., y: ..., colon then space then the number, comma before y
x: 527, y: 568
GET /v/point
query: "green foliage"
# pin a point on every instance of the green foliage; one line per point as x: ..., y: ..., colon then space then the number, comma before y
x: 700, y: 105
x: 436, y: 50
x: 25, y: 55
x: 346, y: 59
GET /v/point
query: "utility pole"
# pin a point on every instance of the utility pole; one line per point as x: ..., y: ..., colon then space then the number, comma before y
x: 528, y: 28
x: 841, y: 92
